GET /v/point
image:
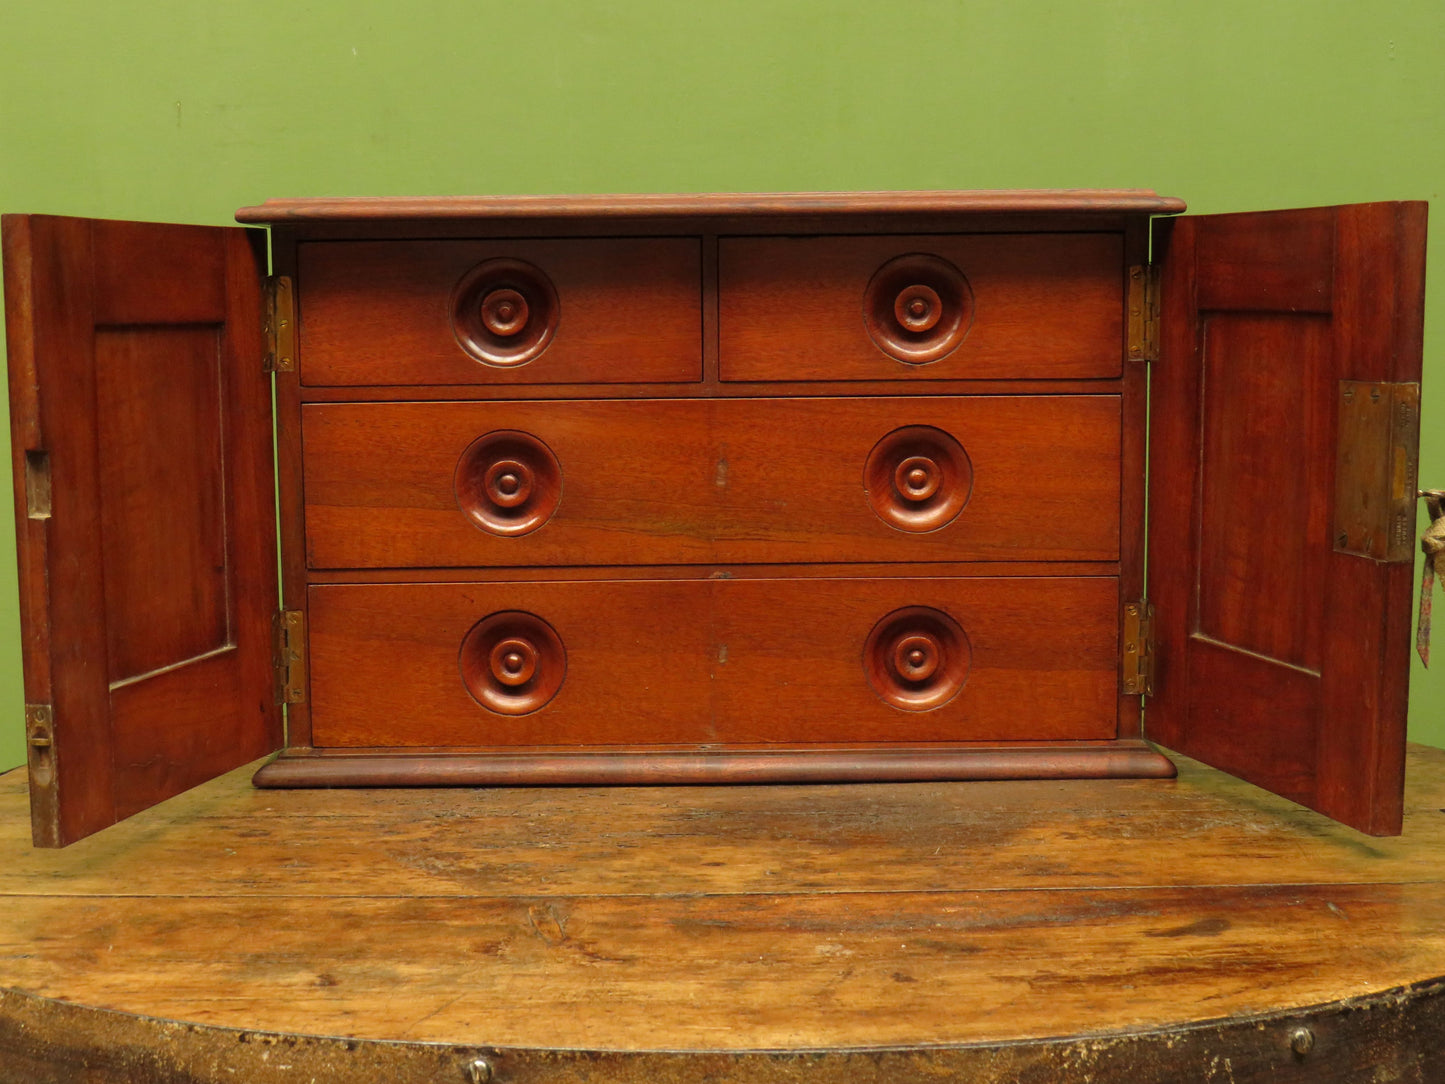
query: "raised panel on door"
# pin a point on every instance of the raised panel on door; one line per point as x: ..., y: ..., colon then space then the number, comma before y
x: 921, y: 307
x: 699, y: 481
x: 597, y: 311
x: 707, y: 661
x: 1283, y: 656
x: 141, y: 432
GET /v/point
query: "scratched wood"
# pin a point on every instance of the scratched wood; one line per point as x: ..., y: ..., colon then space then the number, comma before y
x: 719, y: 919
x: 226, y: 839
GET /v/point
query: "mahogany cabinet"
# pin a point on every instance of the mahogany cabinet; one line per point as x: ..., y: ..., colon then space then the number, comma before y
x: 733, y: 489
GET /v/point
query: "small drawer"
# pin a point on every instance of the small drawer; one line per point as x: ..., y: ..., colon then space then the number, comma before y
x: 740, y: 661
x: 605, y: 311
x: 949, y: 307
x: 686, y: 481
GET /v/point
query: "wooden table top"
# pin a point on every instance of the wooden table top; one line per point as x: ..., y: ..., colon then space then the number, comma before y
x: 1105, y: 930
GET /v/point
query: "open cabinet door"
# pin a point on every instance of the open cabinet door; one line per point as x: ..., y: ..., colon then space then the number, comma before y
x: 1281, y: 518
x: 141, y: 435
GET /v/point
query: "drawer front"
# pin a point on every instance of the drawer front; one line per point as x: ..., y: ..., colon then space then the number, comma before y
x: 390, y: 485
x: 506, y: 312
x: 656, y: 662
x: 1005, y: 306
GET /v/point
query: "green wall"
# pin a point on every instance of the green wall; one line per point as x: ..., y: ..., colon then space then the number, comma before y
x: 184, y: 111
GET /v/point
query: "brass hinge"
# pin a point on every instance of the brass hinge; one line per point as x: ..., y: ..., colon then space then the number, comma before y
x: 1143, y: 301
x: 1376, y: 464
x: 280, y: 325
x: 1139, y: 648
x: 290, y: 657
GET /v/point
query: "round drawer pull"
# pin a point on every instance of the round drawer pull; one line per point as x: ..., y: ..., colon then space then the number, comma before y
x: 512, y: 663
x: 505, y: 312
x: 508, y: 482
x: 917, y: 658
x: 917, y: 308
x: 918, y: 478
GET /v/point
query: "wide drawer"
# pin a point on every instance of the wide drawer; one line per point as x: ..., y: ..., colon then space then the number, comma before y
x: 713, y: 661
x: 608, y: 310
x: 1040, y: 306
x: 391, y: 485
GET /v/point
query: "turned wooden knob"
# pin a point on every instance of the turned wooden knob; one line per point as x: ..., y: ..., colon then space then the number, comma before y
x: 505, y: 312
x: 509, y: 483
x: 918, y: 307
x: 917, y: 658
x: 514, y: 660
x: 917, y: 478
x: 512, y: 663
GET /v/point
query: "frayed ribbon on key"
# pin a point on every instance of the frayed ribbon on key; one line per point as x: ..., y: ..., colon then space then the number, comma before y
x: 1433, y: 545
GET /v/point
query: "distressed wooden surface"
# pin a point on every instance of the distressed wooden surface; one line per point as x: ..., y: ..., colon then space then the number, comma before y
x: 1082, y: 916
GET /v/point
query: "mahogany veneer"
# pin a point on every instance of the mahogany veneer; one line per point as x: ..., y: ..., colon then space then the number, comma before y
x: 620, y: 310
x: 673, y: 481
x: 711, y: 488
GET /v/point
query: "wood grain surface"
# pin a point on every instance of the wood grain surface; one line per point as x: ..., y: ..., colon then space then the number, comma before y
x: 150, y: 579
x: 682, y: 481
x: 1042, y: 306
x: 1259, y: 609
x: 630, y: 310
x: 547, y: 927
x: 713, y: 661
x: 1076, y: 200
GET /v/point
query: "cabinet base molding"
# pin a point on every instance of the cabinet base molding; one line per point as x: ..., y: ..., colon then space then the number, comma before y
x: 660, y: 767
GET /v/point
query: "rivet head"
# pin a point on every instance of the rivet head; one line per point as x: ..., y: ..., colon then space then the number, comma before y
x: 479, y: 1071
x: 1301, y: 1041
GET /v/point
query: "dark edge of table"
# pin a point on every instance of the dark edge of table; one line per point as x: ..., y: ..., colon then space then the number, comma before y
x: 1392, y: 1035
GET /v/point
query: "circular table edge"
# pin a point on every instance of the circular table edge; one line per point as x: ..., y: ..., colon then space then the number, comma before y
x: 1395, y: 1034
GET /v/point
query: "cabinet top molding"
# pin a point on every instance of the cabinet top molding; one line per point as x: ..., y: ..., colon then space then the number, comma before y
x: 1086, y: 200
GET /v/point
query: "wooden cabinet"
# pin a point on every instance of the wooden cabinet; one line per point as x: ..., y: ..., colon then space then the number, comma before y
x: 715, y: 489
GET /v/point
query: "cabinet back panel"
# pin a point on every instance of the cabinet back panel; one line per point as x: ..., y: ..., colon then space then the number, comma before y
x: 726, y: 481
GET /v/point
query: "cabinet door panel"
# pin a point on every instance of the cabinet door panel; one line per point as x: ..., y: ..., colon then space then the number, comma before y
x: 727, y: 481
x: 1282, y: 657
x: 145, y: 512
x: 649, y: 662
